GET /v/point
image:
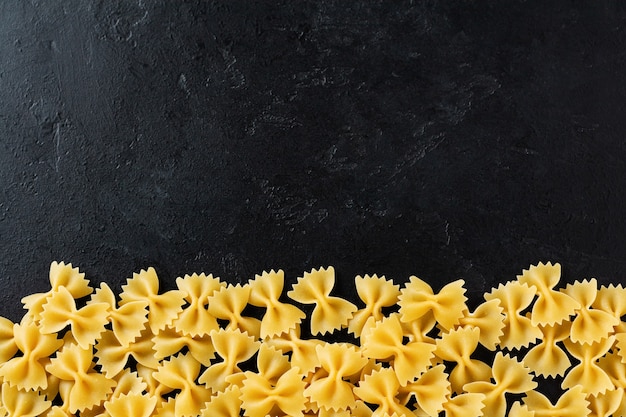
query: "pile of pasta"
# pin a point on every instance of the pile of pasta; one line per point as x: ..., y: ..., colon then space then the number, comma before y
x: 409, y: 351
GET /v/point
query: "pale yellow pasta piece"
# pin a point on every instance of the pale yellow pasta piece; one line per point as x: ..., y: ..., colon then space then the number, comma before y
x: 131, y: 405
x: 303, y: 353
x: 227, y: 303
x: 128, y: 382
x: 271, y: 364
x: 87, y: 323
x: 57, y: 411
x: 611, y: 299
x: 17, y: 402
x: 457, y: 346
x: 265, y: 289
x: 590, y: 325
x: 89, y: 388
x: 61, y: 275
x: 259, y: 396
x: 128, y: 320
x: 415, y: 330
x: 547, y: 358
x: 612, y: 364
x: 233, y: 347
x: 465, y: 405
x: 155, y: 387
x: 489, y: 318
x: 8, y: 348
x: 509, y: 376
x: 604, y: 405
x: 551, y: 307
x: 27, y: 372
x: 587, y: 373
x: 571, y: 404
x: 514, y: 298
x: 339, y: 360
x: 417, y: 299
x: 169, y: 341
x: 225, y: 404
x: 196, y: 319
x: 385, y: 341
x: 112, y: 356
x: 381, y: 388
x: 376, y: 292
x: 163, y: 308
x: 179, y: 373
x: 430, y: 391
x: 166, y: 408
x: 330, y: 313
x: 520, y: 410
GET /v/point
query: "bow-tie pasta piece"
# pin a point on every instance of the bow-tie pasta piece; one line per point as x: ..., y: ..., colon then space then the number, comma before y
x: 515, y: 297
x: 520, y: 410
x: 612, y: 365
x: 430, y: 391
x: 112, y: 356
x: 225, y: 404
x: 571, y: 404
x: 88, y: 388
x: 163, y: 308
x: 170, y: 341
x: 179, y: 373
x: 259, y: 396
x: 587, y: 373
x: 339, y: 361
x: 509, y: 376
x: 135, y: 405
x: 8, y: 348
x: 128, y: 320
x: 612, y: 299
x: 376, y: 292
x: 417, y: 299
x: 385, y: 341
x: 233, y: 347
x: 61, y: 275
x: 27, y: 372
x: 17, y: 402
x: 606, y: 404
x: 302, y: 351
x: 465, y: 405
x: 590, y: 325
x: 551, y: 307
x: 195, y: 319
x: 489, y: 319
x: 381, y: 389
x: 547, y: 358
x: 457, y: 346
x: 330, y: 313
x: 265, y: 289
x: 228, y: 303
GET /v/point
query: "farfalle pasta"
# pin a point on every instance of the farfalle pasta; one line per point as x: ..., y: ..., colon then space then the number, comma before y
x: 404, y: 351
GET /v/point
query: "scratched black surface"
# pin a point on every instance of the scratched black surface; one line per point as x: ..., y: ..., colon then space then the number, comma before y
x: 443, y: 139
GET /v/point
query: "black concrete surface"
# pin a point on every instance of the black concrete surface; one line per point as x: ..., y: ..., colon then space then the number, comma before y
x: 448, y: 140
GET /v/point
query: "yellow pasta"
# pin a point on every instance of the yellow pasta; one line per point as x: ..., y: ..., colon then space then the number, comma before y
x: 509, y: 376
x: 411, y: 352
x: 196, y: 319
x: 385, y: 341
x: 228, y: 303
x: 128, y: 320
x: 330, y: 313
x: 88, y: 388
x: 87, y: 323
x: 179, y: 373
x: 417, y: 299
x: 551, y: 307
x: 518, y: 330
x: 457, y: 346
x: 163, y: 308
x: 279, y: 317
x: 376, y: 292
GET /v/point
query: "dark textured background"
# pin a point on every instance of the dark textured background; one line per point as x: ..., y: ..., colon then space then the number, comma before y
x: 449, y: 140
